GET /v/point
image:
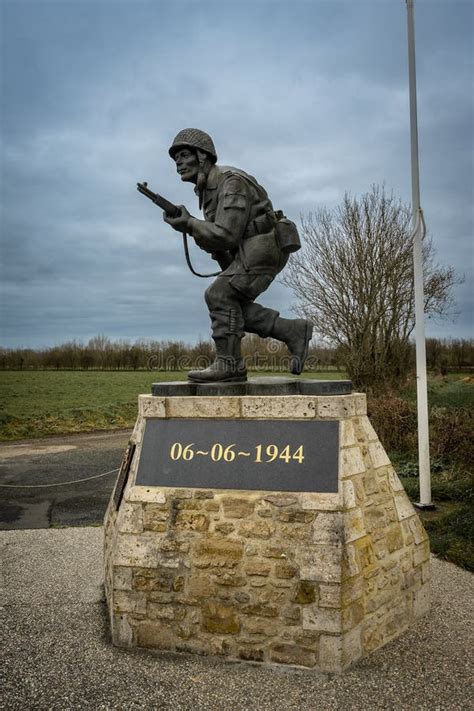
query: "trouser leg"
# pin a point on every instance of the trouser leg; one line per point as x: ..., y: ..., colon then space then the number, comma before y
x: 258, y: 319
x: 227, y: 331
x: 225, y: 309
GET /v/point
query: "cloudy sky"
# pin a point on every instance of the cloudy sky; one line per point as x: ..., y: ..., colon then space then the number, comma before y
x: 310, y: 97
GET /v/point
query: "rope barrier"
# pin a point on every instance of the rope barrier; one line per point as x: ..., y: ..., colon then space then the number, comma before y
x: 62, y: 483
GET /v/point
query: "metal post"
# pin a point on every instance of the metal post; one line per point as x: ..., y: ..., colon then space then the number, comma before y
x: 421, y: 380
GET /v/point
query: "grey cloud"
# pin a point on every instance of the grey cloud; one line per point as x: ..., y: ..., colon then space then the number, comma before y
x: 310, y: 97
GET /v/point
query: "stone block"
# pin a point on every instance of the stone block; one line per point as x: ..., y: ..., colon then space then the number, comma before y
x: 295, y: 516
x: 322, y: 619
x: 305, y: 593
x: 153, y: 579
x: 252, y: 654
x: 264, y: 627
x: 327, y: 528
x: 158, y: 611
x: 191, y: 521
x: 350, y: 562
x: 352, y: 589
x: 371, y: 487
x: 320, y: 563
x: 129, y: 601
x: 230, y: 578
x: 260, y: 609
x: 394, y: 481
x: 360, y: 403
x: 329, y: 595
x: 349, y: 497
x: 352, y: 615
x: 155, y: 517
x: 354, y: 525
x: 281, y: 499
x: 368, y: 430
x: 145, y: 494
x: 212, y: 552
x: 320, y: 502
x: 426, y: 572
x: 204, y: 494
x: 139, y: 551
x: 394, y: 538
x: 224, y: 527
x: 352, y: 646
x: 292, y: 407
x: 285, y: 570
x: 156, y: 634
x: 200, y: 586
x: 256, y: 529
x: 237, y: 507
x: 348, y: 438
x: 203, y: 407
x: 330, y: 653
x: 419, y: 533
x: 352, y: 462
x: 293, y: 654
x: 149, y: 406
x: 137, y: 434
x: 122, y: 578
x: 336, y: 407
x: 375, y: 518
x: 258, y: 567
x: 296, y: 531
x: 220, y: 618
x: 130, y: 518
x: 403, y: 506
x: 271, y: 551
x: 421, y: 553
x: 378, y: 455
x: 122, y: 631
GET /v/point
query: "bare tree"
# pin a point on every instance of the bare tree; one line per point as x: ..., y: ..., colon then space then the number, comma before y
x: 354, y: 279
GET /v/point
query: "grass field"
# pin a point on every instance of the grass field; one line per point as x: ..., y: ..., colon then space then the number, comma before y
x: 44, y: 403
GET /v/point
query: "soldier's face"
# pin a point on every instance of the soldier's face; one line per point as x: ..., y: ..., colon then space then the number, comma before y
x: 187, y: 165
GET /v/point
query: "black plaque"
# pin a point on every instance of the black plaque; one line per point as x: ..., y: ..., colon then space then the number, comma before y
x: 123, y: 474
x: 268, y: 455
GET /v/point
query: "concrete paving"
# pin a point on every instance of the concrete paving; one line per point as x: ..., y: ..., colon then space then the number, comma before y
x: 57, y: 653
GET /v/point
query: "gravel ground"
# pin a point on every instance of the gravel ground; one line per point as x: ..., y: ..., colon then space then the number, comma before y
x: 57, y: 653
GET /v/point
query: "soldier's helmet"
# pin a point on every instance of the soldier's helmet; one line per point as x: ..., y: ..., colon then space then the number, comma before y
x: 193, y: 138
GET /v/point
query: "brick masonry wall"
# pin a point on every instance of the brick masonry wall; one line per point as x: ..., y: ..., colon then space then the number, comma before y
x: 314, y: 580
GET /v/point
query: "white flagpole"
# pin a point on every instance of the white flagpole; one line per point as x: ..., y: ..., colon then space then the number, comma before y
x: 421, y: 380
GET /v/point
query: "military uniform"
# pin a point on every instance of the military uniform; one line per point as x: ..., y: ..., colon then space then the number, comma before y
x: 243, y: 233
x: 239, y: 230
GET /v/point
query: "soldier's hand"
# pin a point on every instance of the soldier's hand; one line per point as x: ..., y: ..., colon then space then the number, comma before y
x: 179, y: 223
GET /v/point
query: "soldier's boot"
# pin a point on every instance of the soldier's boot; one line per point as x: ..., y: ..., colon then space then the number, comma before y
x: 228, y: 365
x: 296, y: 333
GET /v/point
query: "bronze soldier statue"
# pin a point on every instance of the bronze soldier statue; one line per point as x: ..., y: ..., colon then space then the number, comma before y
x: 250, y: 241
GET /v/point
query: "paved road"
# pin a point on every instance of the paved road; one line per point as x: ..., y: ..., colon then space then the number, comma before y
x: 57, y: 460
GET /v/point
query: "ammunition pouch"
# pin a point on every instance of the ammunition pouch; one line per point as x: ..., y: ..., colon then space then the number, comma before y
x: 260, y: 225
x: 286, y: 232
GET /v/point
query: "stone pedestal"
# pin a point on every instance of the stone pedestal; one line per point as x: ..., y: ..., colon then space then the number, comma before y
x: 288, y: 577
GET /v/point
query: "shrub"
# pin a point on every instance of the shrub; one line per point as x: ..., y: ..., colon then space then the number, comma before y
x: 451, y: 430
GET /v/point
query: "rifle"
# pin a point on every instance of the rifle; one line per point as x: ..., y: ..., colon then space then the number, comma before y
x: 170, y: 209
x: 173, y: 211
